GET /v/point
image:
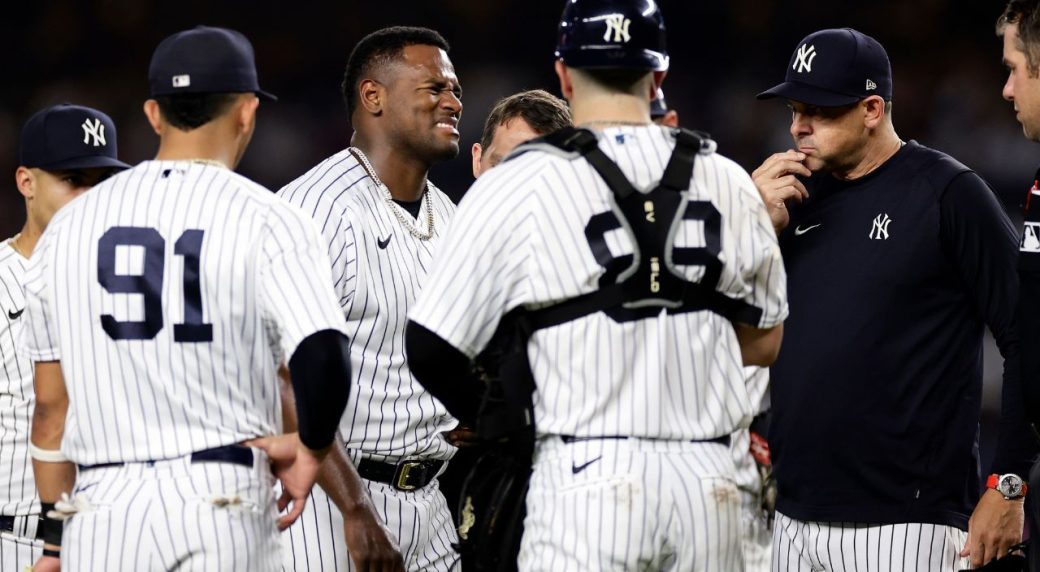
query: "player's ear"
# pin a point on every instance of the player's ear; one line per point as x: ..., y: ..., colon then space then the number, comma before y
x: 873, y: 111
x: 566, y: 82
x: 25, y: 181
x: 151, y: 111
x: 371, y: 96
x: 476, y: 152
x: 671, y: 118
x: 247, y: 106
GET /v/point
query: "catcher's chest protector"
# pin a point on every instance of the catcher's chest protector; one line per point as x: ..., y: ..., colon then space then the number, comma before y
x: 641, y: 284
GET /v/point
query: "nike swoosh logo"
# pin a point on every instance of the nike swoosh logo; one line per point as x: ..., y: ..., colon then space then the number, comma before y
x: 383, y: 242
x: 579, y: 468
x: 799, y: 231
x: 15, y: 315
x: 86, y: 487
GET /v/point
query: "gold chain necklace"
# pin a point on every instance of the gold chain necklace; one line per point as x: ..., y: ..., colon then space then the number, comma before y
x: 393, y: 206
x: 14, y: 244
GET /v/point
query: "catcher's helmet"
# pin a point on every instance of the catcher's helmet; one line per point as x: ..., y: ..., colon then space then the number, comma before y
x: 612, y: 34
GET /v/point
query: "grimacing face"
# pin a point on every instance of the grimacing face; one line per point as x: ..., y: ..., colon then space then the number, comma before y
x: 1021, y: 88
x: 508, y: 135
x: 832, y: 138
x: 424, y: 103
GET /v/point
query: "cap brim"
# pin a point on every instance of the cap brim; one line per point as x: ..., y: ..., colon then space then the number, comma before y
x: 264, y: 95
x: 809, y: 94
x: 92, y: 162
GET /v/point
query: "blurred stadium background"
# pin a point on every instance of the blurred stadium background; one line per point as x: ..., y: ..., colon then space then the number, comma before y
x: 945, y: 58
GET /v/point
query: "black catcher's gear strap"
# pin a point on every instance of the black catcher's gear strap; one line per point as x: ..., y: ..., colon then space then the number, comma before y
x: 652, y: 246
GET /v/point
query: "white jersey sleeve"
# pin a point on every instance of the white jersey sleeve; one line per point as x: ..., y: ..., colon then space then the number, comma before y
x: 294, y: 280
x: 761, y: 264
x: 40, y: 338
x: 482, y: 271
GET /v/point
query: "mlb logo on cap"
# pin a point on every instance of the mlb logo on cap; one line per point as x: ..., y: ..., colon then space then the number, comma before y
x: 183, y: 80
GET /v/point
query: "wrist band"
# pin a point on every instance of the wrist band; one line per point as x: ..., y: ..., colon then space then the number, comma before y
x: 52, y: 528
x: 46, y: 455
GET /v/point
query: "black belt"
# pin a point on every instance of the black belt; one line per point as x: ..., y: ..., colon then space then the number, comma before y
x: 234, y: 454
x: 7, y: 525
x: 723, y: 440
x: 407, y: 475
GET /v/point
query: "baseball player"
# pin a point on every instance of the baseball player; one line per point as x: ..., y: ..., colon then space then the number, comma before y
x: 1019, y: 27
x: 64, y: 150
x: 514, y: 120
x: 158, y: 307
x: 898, y: 257
x: 637, y: 390
x: 381, y: 220
x: 749, y: 448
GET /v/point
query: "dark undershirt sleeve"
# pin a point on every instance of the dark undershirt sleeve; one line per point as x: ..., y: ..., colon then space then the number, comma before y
x: 445, y: 372
x: 983, y: 245
x: 320, y: 368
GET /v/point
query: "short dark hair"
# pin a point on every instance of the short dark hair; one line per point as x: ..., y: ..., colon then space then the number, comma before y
x: 621, y: 80
x: 187, y: 111
x: 380, y: 48
x: 543, y: 111
x: 1026, y: 14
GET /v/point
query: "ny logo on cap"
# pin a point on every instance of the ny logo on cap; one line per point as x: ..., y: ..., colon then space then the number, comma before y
x: 618, y: 24
x: 95, y: 130
x: 804, y: 57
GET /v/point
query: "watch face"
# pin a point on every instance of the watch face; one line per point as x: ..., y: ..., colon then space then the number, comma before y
x: 1010, y: 486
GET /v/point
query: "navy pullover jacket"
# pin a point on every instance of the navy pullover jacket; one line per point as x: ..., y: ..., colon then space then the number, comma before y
x: 876, y: 395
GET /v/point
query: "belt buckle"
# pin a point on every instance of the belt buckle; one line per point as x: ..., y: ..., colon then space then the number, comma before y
x: 401, y: 475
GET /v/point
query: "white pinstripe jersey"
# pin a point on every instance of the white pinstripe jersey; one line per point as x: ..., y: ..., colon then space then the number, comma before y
x: 520, y: 239
x: 17, y: 487
x: 170, y: 293
x: 378, y: 269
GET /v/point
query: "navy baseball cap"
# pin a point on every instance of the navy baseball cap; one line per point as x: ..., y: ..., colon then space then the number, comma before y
x: 658, y: 106
x: 835, y: 67
x: 69, y: 137
x: 204, y: 60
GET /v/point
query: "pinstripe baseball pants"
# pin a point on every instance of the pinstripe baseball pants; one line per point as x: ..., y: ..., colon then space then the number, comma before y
x: 837, y: 547
x: 20, y: 548
x: 632, y: 504
x: 419, y: 520
x: 174, y: 514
